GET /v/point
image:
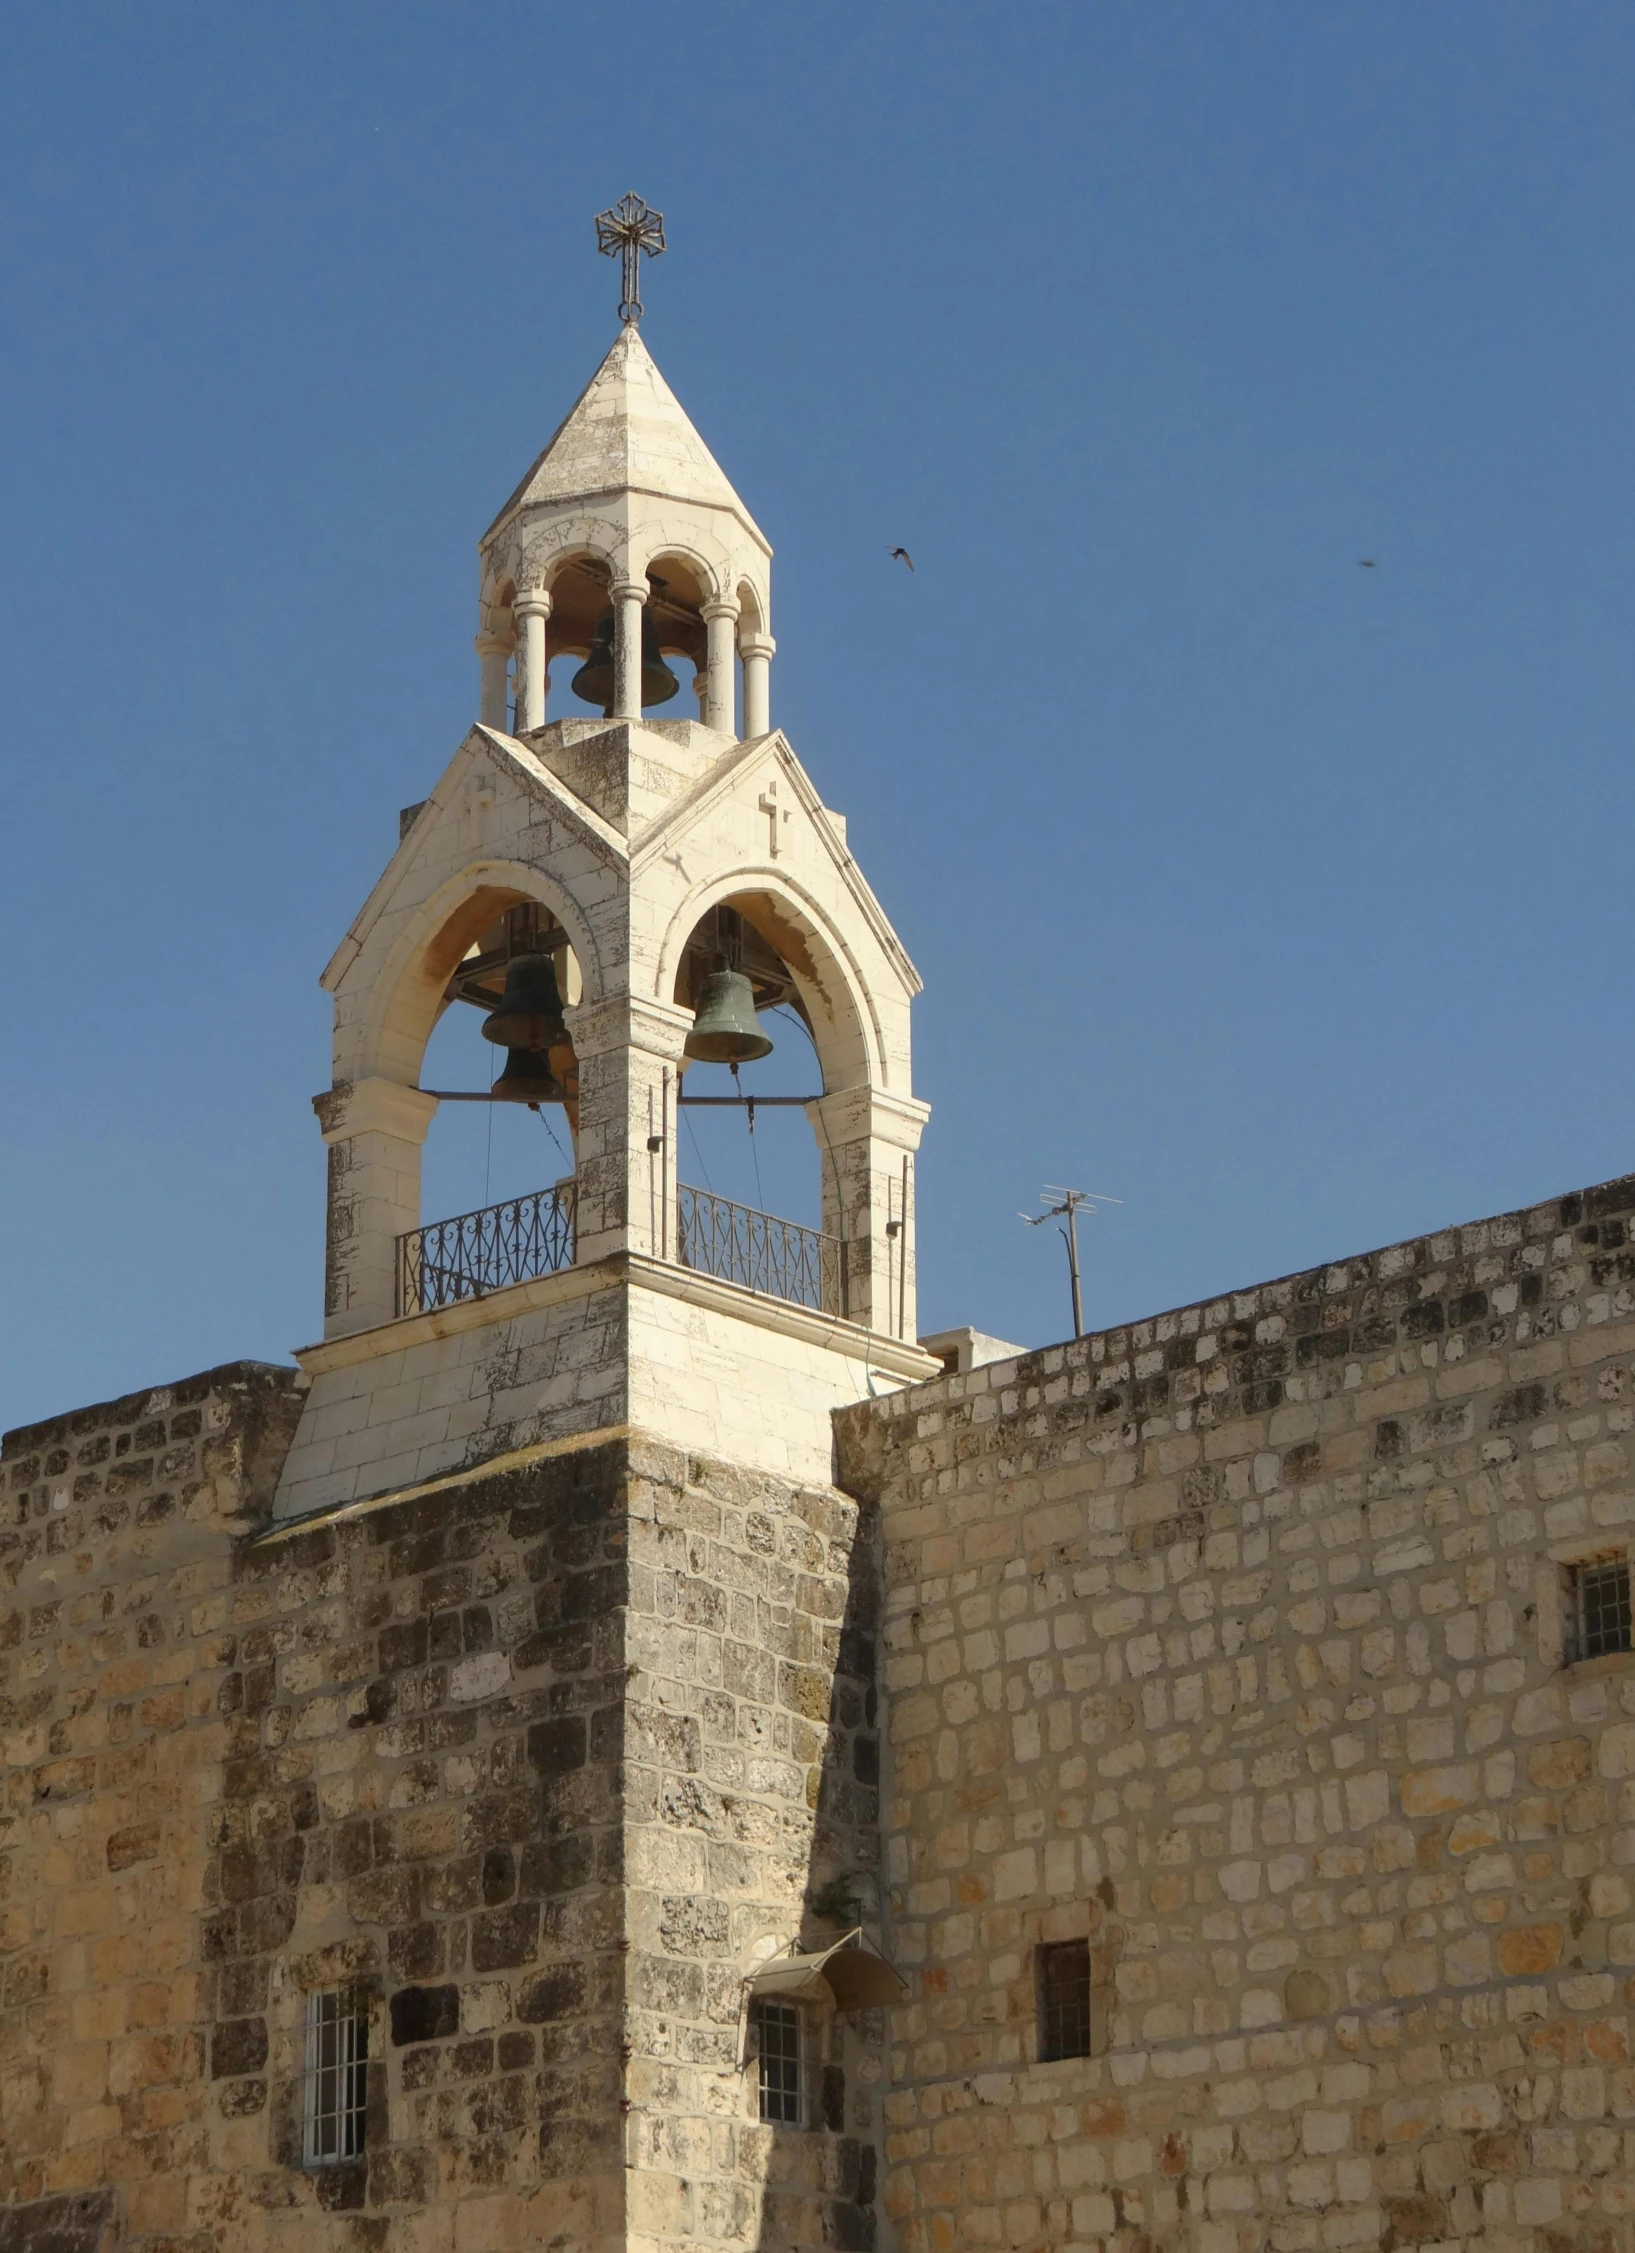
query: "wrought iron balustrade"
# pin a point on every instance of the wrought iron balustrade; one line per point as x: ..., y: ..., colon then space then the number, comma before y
x: 483, y: 1251
x: 777, y: 1257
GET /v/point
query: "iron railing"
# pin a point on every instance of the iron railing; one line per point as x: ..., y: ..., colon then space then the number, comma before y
x: 483, y: 1251
x: 777, y: 1257
x: 478, y: 1252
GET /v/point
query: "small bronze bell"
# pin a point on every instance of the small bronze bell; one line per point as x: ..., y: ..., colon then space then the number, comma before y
x: 593, y: 683
x: 530, y: 1010
x: 528, y: 1078
x: 726, y: 1029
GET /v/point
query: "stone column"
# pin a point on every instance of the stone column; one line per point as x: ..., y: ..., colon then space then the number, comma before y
x: 756, y: 652
x: 495, y: 653
x: 375, y: 1129
x: 863, y: 1136
x: 720, y: 622
x: 628, y: 598
x: 701, y: 689
x: 629, y: 1054
x: 531, y: 610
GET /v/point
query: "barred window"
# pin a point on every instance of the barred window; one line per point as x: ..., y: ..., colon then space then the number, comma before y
x: 778, y: 2032
x: 1602, y: 1607
x: 1063, y: 1974
x: 336, y: 2072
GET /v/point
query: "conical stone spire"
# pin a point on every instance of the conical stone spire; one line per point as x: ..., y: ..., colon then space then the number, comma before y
x: 626, y: 432
x: 626, y: 502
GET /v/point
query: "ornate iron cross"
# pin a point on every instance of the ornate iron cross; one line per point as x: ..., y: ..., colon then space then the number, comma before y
x: 625, y: 232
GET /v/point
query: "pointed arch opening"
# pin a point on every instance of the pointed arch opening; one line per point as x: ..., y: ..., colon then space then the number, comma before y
x: 760, y: 1194
x: 495, y: 1178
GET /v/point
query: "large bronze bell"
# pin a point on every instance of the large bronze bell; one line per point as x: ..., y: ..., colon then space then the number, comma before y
x: 530, y: 1010
x: 726, y: 1029
x: 593, y: 683
x: 528, y: 1078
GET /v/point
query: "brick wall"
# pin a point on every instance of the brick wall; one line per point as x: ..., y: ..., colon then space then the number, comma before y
x: 1232, y: 1643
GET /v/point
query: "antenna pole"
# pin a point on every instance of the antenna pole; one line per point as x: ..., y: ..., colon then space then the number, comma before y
x: 1068, y: 1206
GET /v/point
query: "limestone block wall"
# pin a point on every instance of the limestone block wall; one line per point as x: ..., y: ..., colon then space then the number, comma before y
x: 425, y: 1806
x: 756, y: 1381
x: 444, y: 1392
x: 117, y: 1652
x: 1232, y: 1642
x: 531, y: 1763
x: 592, y: 1349
x: 751, y: 1787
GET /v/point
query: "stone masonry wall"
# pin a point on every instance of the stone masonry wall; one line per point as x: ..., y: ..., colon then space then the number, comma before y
x: 750, y: 1783
x: 380, y: 1753
x: 1233, y: 1641
x: 116, y: 1529
x: 427, y: 1397
x: 587, y: 1351
x: 410, y: 1750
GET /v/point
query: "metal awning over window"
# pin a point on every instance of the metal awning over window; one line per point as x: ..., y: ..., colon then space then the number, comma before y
x: 855, y: 1974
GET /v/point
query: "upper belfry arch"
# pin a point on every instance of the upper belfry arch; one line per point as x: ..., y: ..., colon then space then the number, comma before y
x: 626, y: 487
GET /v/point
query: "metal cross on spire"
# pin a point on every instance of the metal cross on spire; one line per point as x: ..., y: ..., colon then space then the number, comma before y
x: 625, y: 232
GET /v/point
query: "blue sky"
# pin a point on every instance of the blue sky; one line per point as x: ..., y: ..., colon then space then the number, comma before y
x: 1285, y: 899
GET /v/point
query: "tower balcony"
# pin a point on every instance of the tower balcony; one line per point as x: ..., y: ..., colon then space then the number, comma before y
x: 475, y: 1253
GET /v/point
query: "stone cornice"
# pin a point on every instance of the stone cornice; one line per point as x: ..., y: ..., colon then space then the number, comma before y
x: 891, y: 1357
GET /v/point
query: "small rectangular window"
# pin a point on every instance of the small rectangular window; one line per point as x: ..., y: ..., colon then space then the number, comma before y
x: 336, y: 2073
x: 1063, y: 1970
x: 1602, y: 1606
x: 778, y: 2032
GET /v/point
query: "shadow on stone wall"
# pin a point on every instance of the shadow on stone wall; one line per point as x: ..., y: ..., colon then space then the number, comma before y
x: 85, y: 2221
x: 820, y: 2183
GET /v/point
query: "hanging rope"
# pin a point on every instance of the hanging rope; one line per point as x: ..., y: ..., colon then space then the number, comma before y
x: 699, y: 1155
x: 488, y: 1161
x: 544, y: 1121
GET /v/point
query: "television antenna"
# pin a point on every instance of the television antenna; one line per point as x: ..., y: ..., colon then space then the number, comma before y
x: 1067, y: 1204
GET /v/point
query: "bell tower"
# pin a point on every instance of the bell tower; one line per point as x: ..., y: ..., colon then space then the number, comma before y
x: 620, y: 894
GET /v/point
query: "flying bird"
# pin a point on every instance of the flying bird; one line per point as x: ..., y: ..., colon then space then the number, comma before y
x: 901, y: 555
x: 1367, y: 563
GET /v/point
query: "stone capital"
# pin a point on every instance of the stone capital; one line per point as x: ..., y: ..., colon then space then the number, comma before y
x: 857, y: 1114
x: 756, y: 645
x: 492, y: 645
x: 629, y: 590
x: 533, y: 602
x: 374, y: 1106
x: 719, y: 607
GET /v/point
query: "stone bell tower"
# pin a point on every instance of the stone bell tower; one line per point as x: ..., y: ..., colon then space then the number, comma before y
x: 641, y: 852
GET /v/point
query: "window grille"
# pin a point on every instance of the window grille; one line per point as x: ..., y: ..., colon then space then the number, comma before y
x: 336, y: 2073
x: 778, y: 2032
x: 1603, y: 1605
x: 1064, y: 1999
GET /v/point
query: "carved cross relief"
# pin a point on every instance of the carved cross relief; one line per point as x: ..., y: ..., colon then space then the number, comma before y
x: 768, y: 804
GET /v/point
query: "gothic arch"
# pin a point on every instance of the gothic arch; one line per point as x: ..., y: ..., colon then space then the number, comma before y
x: 399, y: 1010
x: 845, y: 1024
